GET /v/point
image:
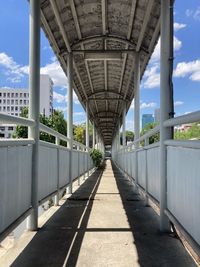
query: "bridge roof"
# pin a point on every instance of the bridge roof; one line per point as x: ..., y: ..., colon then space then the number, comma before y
x: 103, y: 36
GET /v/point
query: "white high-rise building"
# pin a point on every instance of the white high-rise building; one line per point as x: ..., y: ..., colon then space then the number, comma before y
x: 12, y: 101
x: 157, y: 115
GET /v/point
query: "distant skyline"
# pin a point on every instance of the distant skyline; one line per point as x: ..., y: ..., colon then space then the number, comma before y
x: 14, y: 46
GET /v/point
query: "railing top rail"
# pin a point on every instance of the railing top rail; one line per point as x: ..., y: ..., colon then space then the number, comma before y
x: 16, y: 142
x: 5, y: 118
x: 187, y: 118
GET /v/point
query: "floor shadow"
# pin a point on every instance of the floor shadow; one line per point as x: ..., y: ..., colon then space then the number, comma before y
x: 58, y: 242
x: 153, y: 248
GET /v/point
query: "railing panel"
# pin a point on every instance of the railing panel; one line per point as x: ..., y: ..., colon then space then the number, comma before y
x: 63, y: 166
x: 153, y: 171
x: 47, y: 183
x: 183, y: 188
x: 132, y: 163
x: 15, y: 183
x: 141, y: 167
x: 75, y: 164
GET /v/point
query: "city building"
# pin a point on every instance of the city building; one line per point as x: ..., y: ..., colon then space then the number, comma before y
x: 146, y: 119
x: 157, y: 115
x: 13, y: 100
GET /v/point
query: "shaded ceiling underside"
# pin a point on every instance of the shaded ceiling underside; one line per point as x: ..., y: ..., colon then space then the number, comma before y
x: 102, y: 77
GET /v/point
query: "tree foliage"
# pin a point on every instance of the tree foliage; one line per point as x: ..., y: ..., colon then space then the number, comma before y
x: 96, y: 156
x: 154, y: 138
x: 56, y: 121
x: 191, y: 133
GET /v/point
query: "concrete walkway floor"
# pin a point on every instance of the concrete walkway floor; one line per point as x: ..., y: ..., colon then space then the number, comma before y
x: 104, y: 223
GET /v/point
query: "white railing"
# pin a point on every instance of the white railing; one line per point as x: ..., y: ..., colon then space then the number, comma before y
x: 16, y: 174
x: 183, y: 175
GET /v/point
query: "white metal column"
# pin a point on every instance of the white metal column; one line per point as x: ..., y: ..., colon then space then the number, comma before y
x: 70, y: 115
x: 34, y: 106
x: 165, y: 107
x: 124, y: 127
x: 136, y: 109
x: 93, y: 136
x: 137, y: 97
x: 87, y: 135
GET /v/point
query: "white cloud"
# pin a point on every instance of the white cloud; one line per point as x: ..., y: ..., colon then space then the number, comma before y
x: 156, y: 54
x: 14, y: 71
x: 61, y: 108
x: 144, y: 105
x: 178, y: 26
x: 59, y: 98
x: 178, y: 103
x: 191, y: 69
x: 147, y: 105
x: 56, y: 73
x: 152, y: 76
x: 79, y: 113
x: 193, y: 13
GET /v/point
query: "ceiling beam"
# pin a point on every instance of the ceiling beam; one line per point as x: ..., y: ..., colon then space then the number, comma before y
x: 105, y: 93
x: 78, y: 30
x: 144, y: 24
x: 103, y: 56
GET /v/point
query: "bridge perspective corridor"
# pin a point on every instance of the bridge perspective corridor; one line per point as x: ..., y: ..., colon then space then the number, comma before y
x: 103, y: 47
x: 105, y: 222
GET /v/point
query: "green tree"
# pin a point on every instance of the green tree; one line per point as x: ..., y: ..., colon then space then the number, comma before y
x: 79, y: 134
x: 154, y: 138
x: 191, y: 133
x: 56, y: 121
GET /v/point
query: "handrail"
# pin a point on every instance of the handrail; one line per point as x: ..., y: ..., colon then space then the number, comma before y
x: 187, y: 118
x: 5, y: 118
x: 16, y: 142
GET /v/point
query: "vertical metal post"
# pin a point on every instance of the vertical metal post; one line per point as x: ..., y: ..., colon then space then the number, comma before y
x: 70, y: 115
x: 34, y: 106
x: 78, y: 149
x: 58, y: 174
x: 137, y: 110
x: 93, y: 136
x: 124, y: 127
x: 146, y: 173
x: 166, y: 106
x: 119, y: 138
x: 87, y: 136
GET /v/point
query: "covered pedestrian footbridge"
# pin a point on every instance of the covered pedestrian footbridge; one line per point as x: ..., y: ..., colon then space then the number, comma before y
x: 105, y: 219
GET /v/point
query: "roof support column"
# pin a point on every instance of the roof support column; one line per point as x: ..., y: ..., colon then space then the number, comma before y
x: 119, y: 137
x: 34, y: 106
x: 93, y: 136
x: 87, y: 141
x: 124, y: 127
x: 70, y: 115
x: 137, y: 109
x: 137, y: 97
x: 166, y: 106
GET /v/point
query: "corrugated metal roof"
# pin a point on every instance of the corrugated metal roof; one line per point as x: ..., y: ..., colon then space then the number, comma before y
x: 127, y: 26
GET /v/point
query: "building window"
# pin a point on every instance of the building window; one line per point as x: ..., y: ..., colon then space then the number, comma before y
x: 16, y: 114
x: 8, y: 108
x: 10, y: 128
x: 16, y: 102
x: 16, y: 94
x: 24, y: 94
x: 4, y: 101
x: 21, y: 108
x: 24, y: 102
x: 0, y: 108
x: 8, y: 101
x: 0, y: 101
x: 0, y: 94
x: 4, y: 94
x: 12, y: 114
x: 20, y: 101
x: 8, y: 95
x: 4, y: 108
x: 2, y: 128
x: 13, y: 94
x: 12, y: 108
x: 16, y: 108
x: 12, y: 101
x: 20, y: 94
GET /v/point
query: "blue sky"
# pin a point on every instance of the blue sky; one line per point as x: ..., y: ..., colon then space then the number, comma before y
x: 14, y: 30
